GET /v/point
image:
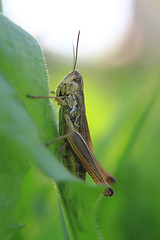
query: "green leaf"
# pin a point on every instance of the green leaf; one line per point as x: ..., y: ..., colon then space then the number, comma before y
x: 25, y: 126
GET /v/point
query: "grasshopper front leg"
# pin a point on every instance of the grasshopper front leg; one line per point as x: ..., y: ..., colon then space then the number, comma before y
x: 58, y: 99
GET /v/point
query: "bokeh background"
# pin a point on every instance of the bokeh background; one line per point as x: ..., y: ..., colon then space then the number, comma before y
x: 119, y: 57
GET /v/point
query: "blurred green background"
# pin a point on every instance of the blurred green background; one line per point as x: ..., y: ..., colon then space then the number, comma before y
x: 122, y: 103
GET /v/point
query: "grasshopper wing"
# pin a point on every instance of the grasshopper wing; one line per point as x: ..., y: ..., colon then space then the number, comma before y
x: 85, y: 132
x: 86, y: 135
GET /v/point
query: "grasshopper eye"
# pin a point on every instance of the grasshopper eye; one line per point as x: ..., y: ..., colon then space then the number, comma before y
x: 77, y: 78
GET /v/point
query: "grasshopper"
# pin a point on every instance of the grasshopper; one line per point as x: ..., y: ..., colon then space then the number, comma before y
x: 76, y: 150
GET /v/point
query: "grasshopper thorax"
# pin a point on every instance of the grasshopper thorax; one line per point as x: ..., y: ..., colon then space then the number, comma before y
x: 71, y: 83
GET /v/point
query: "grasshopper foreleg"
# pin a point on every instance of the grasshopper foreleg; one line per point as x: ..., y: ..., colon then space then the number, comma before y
x: 58, y: 99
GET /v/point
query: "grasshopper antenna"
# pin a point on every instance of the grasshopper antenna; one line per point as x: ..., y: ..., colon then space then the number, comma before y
x: 75, y: 55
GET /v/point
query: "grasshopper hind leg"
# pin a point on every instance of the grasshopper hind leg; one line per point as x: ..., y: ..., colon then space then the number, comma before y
x: 110, y: 180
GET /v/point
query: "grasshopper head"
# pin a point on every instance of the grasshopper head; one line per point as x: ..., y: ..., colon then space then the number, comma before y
x: 71, y: 83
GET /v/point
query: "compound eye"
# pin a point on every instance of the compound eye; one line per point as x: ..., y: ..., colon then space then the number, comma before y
x: 77, y: 78
x: 76, y: 73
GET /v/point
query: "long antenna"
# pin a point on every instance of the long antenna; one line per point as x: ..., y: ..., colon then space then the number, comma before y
x: 76, y: 55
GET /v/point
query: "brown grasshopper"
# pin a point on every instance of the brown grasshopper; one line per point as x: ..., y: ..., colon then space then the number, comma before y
x: 77, y: 150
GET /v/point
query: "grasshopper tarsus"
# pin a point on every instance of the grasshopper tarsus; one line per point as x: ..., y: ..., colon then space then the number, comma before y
x: 108, y: 192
